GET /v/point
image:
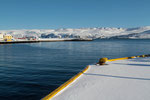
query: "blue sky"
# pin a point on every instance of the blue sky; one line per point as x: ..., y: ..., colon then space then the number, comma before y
x: 54, y: 14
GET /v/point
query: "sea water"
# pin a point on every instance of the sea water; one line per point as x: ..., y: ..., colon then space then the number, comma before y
x: 31, y: 71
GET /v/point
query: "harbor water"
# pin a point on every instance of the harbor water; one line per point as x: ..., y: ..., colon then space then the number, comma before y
x: 30, y: 71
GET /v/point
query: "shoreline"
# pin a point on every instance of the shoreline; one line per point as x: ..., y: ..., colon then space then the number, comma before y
x: 44, y: 40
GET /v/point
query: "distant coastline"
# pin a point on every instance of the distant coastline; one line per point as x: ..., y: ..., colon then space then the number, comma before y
x: 44, y: 40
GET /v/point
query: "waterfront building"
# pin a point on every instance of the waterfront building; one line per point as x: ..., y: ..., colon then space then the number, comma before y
x: 8, y: 38
x: 1, y: 37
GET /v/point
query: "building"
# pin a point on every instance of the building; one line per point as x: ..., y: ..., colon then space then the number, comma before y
x: 1, y: 37
x: 8, y: 38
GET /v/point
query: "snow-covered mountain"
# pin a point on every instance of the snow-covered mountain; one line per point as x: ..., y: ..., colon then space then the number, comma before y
x: 103, y: 32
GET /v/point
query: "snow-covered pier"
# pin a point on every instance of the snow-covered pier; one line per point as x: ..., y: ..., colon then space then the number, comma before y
x: 119, y: 79
x: 63, y: 39
x: 13, y: 42
x: 44, y: 40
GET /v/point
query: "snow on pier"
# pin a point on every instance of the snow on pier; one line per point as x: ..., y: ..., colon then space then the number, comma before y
x: 118, y: 80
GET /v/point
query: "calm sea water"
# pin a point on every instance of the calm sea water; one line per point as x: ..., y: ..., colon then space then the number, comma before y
x: 31, y: 71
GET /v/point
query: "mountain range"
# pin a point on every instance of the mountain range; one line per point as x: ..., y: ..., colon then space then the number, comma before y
x: 98, y: 32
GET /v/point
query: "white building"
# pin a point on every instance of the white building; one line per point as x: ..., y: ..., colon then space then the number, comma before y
x: 1, y: 37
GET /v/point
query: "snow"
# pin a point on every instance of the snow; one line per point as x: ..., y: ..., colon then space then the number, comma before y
x: 119, y: 80
x: 58, y: 39
x: 99, y: 32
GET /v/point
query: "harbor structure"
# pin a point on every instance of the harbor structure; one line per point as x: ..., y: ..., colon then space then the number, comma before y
x: 110, y: 79
x: 1, y: 37
x: 8, y: 38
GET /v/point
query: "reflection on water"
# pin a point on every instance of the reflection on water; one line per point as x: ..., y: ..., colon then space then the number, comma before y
x: 31, y: 71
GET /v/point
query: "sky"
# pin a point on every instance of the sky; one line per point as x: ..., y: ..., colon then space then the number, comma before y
x: 54, y: 14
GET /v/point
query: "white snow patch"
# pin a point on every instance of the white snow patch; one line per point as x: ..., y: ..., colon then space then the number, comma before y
x: 119, y: 80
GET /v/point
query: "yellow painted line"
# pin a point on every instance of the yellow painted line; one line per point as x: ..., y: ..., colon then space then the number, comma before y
x: 117, y: 59
x: 128, y: 58
x: 52, y: 94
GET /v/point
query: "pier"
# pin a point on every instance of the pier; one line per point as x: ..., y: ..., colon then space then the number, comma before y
x: 125, y: 78
x: 13, y: 42
x: 44, y: 40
